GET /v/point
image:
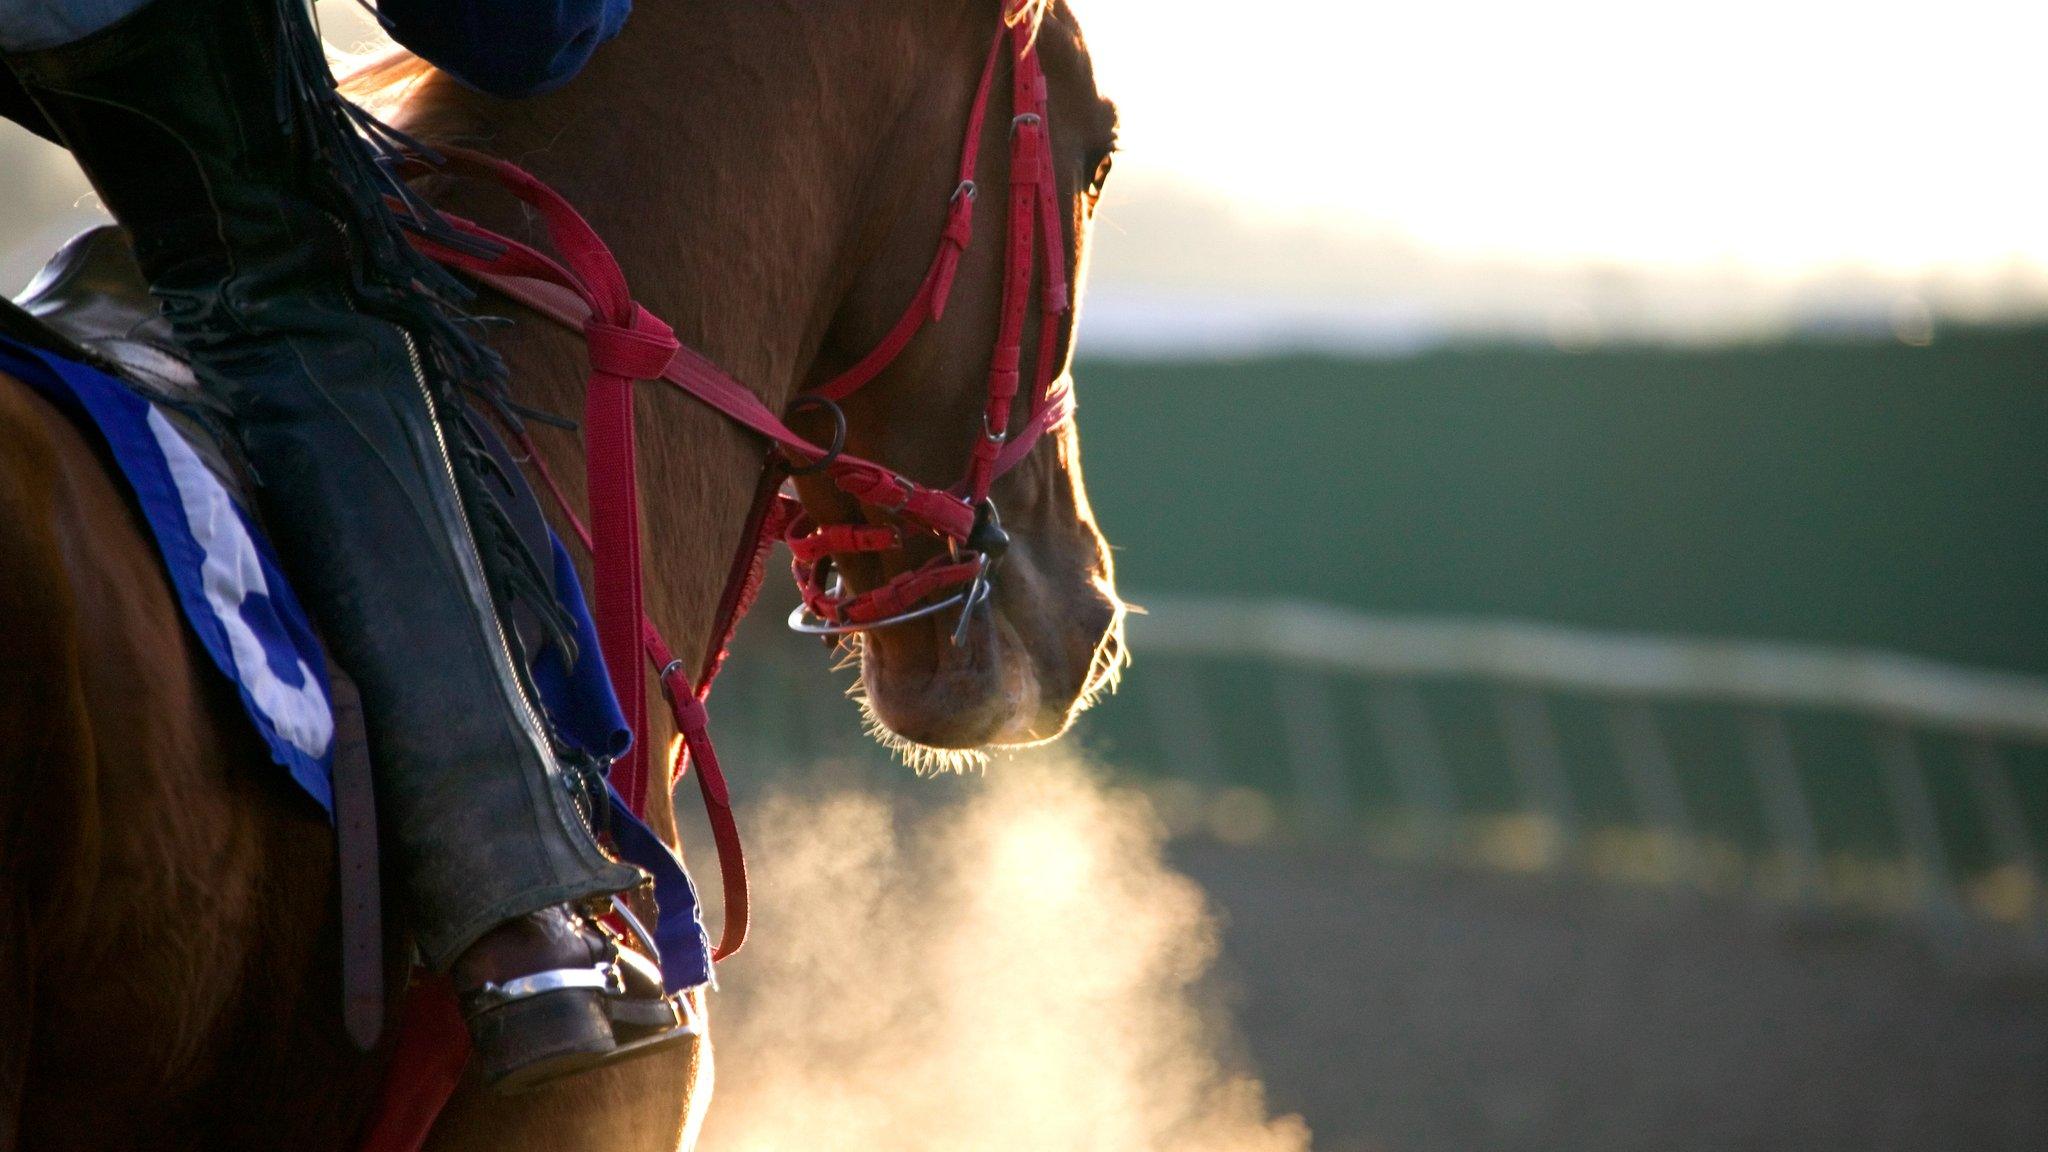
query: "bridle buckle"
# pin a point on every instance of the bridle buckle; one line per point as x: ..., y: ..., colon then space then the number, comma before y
x: 904, y: 487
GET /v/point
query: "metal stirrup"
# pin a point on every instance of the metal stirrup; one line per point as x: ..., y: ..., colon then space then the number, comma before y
x: 625, y: 910
x: 604, y: 978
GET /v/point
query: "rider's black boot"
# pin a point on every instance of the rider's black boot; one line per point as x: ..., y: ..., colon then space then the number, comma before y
x: 211, y: 130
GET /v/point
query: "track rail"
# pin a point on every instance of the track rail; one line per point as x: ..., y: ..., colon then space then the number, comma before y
x: 1884, y: 685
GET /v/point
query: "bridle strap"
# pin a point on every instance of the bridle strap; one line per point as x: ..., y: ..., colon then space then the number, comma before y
x: 929, y: 304
x: 626, y: 344
x: 586, y: 291
x: 1033, y: 222
x: 686, y: 703
x: 689, y: 372
x: 1034, y: 197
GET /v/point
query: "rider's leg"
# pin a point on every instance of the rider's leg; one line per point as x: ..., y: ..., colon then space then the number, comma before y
x: 208, y: 132
x: 15, y: 105
x: 31, y: 24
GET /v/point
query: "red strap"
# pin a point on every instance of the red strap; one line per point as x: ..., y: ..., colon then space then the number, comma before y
x: 427, y: 1061
x: 688, y: 371
x: 627, y: 344
x: 615, y: 516
x: 930, y: 302
x: 896, y: 596
x: 767, y: 520
x: 686, y: 706
x: 829, y: 539
x: 725, y: 833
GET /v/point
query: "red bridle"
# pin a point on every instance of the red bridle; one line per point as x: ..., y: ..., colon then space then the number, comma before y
x: 962, y: 515
x: 587, y: 291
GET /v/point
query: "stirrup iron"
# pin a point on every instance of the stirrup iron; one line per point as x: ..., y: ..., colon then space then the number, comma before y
x: 559, y: 1022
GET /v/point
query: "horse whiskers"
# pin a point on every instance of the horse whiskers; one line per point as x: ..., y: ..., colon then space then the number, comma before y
x: 922, y: 759
x: 847, y: 654
x: 1106, y: 666
x: 1105, y: 674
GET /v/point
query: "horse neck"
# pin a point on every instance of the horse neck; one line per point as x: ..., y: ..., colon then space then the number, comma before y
x: 722, y: 152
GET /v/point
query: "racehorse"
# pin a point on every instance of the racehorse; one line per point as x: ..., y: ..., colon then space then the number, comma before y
x: 774, y: 177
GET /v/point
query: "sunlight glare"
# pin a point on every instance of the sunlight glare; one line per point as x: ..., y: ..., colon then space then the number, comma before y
x: 1773, y: 134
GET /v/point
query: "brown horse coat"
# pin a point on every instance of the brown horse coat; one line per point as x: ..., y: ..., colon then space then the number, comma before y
x: 773, y: 177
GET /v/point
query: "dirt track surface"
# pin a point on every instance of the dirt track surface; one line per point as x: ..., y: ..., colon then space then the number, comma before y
x: 1413, y: 1010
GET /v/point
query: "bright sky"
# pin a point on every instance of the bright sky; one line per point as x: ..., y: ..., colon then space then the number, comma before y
x: 1484, y: 163
x: 1780, y: 134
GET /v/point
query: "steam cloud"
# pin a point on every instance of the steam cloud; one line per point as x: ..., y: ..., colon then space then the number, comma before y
x: 1015, y: 969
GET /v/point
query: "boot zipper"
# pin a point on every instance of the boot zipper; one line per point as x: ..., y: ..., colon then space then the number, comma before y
x: 536, y: 726
x: 419, y: 376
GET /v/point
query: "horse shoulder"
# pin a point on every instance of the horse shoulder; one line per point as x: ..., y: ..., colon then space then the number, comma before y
x: 46, y: 736
x: 133, y: 831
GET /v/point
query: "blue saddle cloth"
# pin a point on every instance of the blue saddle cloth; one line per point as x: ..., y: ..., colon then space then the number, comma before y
x: 238, y: 603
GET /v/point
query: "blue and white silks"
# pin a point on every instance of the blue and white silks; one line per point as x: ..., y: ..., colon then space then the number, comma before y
x: 238, y: 603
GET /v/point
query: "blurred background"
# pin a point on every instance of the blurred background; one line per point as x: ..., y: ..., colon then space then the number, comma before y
x: 1583, y: 465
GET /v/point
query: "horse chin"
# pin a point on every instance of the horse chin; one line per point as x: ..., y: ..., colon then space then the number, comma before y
x: 941, y: 706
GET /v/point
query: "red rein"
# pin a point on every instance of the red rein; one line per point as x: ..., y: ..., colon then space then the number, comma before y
x: 587, y: 291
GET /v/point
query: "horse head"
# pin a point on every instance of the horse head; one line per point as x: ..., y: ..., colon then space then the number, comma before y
x: 1016, y: 668
x: 839, y: 130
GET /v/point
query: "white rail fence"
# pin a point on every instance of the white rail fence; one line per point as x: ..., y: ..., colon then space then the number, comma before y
x: 1319, y: 655
x: 1545, y: 656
